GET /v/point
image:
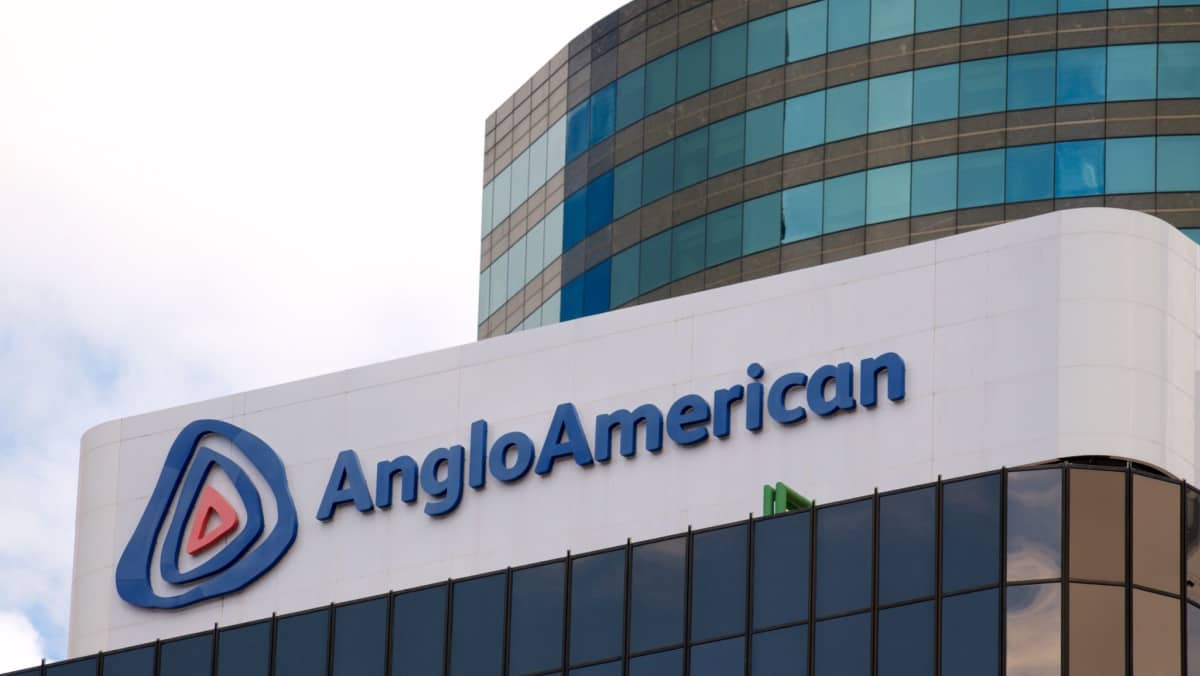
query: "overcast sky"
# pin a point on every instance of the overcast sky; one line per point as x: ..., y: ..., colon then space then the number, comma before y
x: 202, y: 198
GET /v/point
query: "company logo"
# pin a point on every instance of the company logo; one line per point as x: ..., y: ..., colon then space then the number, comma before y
x: 246, y: 556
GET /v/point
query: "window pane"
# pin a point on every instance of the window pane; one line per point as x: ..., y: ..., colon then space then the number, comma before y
x: 419, y: 632
x: 981, y: 11
x: 575, y: 216
x: 657, y: 598
x: 1156, y: 634
x: 892, y: 18
x: 1079, y: 168
x: 982, y: 86
x: 843, y: 646
x: 596, y: 283
x: 1034, y: 525
x: 1034, y: 630
x: 1031, y: 80
x: 726, y: 145
x: 691, y: 158
x: 762, y: 224
x: 935, y: 94
x: 536, y: 617
x: 806, y: 26
x: 535, y: 251
x: 537, y: 163
x: 980, y: 179
x: 597, y: 606
x: 556, y: 147
x: 848, y: 23
x: 729, y: 55
x: 845, y: 202
x: 1178, y: 163
x: 764, y: 132
x: 687, y: 249
x: 554, y: 234
x: 624, y: 276
x: 477, y: 634
x: 1081, y: 75
x: 1193, y: 640
x: 1097, y: 525
x: 1131, y: 72
x: 781, y: 555
x: 888, y: 191
x: 578, y: 127
x: 599, y: 203
x: 844, y: 543
x: 971, y: 533
x: 610, y: 669
x: 140, y: 661
x: 1097, y: 630
x: 1029, y: 173
x: 660, y: 83
x: 783, y: 652
x: 846, y: 111
x: 722, y: 658
x: 301, y: 642
x: 516, y: 265
x: 804, y: 122
x: 655, y: 265
x: 768, y: 42
x: 520, y: 179
x: 719, y: 583
x: 604, y: 113
x: 658, y: 167
x: 627, y: 187
x: 802, y: 207
x: 1129, y: 165
x: 906, y: 640
x: 1191, y: 542
x: 360, y: 638
x: 245, y: 651
x: 1179, y: 70
x: 971, y: 634
x: 935, y: 185
x: 631, y: 98
x: 937, y: 14
x: 83, y: 667
x: 693, y: 62
x: 906, y: 545
x: 1156, y: 534
x: 1065, y: 6
x: 724, y: 241
x: 1019, y: 8
x: 669, y: 663
x: 891, y: 101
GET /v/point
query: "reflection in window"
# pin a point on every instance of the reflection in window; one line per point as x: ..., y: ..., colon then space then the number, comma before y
x: 843, y: 646
x: 536, y: 618
x: 657, y: 598
x: 719, y: 583
x: 1034, y: 628
x: 1191, y: 542
x: 970, y: 533
x: 1081, y: 75
x: 1156, y: 634
x: 597, y: 606
x: 1034, y: 525
x: 781, y: 555
x: 783, y: 652
x: 669, y: 663
x: 1193, y: 640
x: 1097, y: 630
x: 844, y: 536
x: 1097, y: 525
x: 906, y: 640
x: 971, y: 634
x: 1155, y: 534
x: 419, y: 632
x: 721, y: 658
x: 1079, y: 168
x: 477, y: 634
x: 906, y: 545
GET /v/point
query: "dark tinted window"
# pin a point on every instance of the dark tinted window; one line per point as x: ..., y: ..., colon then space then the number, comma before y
x: 719, y: 583
x: 1033, y: 629
x: 360, y: 638
x: 1191, y: 542
x: 1034, y: 525
x: 782, y: 652
x: 720, y: 658
x: 477, y: 639
x: 419, y: 632
x: 656, y: 615
x: 1193, y: 639
x: 597, y: 606
x: 187, y: 657
x: 29, y: 672
x: 844, y: 535
x: 301, y: 642
x: 781, y: 570
x: 843, y: 646
x: 906, y: 640
x: 84, y: 667
x: 610, y: 669
x: 907, y: 543
x: 659, y: 664
x: 536, y: 629
x: 140, y: 661
x: 971, y: 634
x: 243, y: 651
x: 971, y: 535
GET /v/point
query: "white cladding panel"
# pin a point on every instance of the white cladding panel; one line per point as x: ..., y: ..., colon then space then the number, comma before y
x: 1066, y: 334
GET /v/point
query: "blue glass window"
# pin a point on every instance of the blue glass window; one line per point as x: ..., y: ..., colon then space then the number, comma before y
x: 575, y: 218
x: 1081, y: 75
x: 1031, y: 80
x: 935, y: 185
x: 578, y: 122
x: 970, y: 533
x: 980, y: 178
x: 802, y: 212
x: 245, y: 651
x: 693, y: 69
x: 1019, y: 8
x: 982, y: 11
x: 937, y: 14
x: 724, y: 241
x: 781, y: 548
x: 1129, y: 165
x: 891, y: 18
x: 806, y: 31
x: 907, y: 545
x: 761, y: 224
x: 891, y: 102
x: 935, y: 93
x: 502, y: 194
x: 849, y: 22
x: 764, y: 132
x: 656, y: 614
x: 538, y: 597
x: 571, y: 306
x: 720, y: 658
x: 804, y: 122
x: 1065, y: 6
x: 768, y: 43
x: 598, y: 581
x: 607, y: 669
x: 599, y: 203
x: 520, y: 179
x: 845, y: 202
x: 1079, y: 168
x: 982, y: 86
x: 604, y: 113
x: 906, y: 640
x: 971, y: 634
x: 1179, y: 70
x: 843, y: 646
x: 660, y: 83
x: 654, y: 268
x: 726, y: 145
x: 631, y: 98
x: 624, y: 276
x: 193, y: 656
x: 1122, y: 4
x: 719, y: 576
x: 418, y: 632
x: 729, y: 55
x: 669, y: 663
x: 1178, y: 163
x: 779, y: 652
x: 359, y: 638
x: 846, y: 111
x: 687, y: 249
x: 627, y: 187
x: 1029, y: 174
x: 86, y: 666
x: 691, y: 158
x: 844, y: 543
x: 596, y: 284
x: 658, y: 165
x: 537, y: 163
x: 888, y: 192
x: 302, y: 642
x: 556, y: 147
x: 1132, y: 72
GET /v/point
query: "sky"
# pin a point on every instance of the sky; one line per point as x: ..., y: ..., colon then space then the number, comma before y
x: 202, y: 198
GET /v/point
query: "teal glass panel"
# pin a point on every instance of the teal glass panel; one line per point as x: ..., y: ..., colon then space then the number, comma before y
x: 892, y: 18
x: 537, y: 164
x: 571, y: 307
x: 1129, y: 165
x: 937, y: 14
x: 487, y: 207
x: 888, y: 192
x: 891, y: 104
x: 631, y: 98
x: 1029, y: 173
x: 691, y: 158
x: 724, y: 240
x: 726, y: 145
x: 1123, y: 4
x: 802, y: 212
x: 660, y: 83
x: 982, y: 11
x: 596, y: 284
x: 849, y: 22
x: 687, y: 249
x: 768, y: 43
x: 980, y: 179
x: 806, y: 26
x: 1031, y: 80
x: 1179, y: 70
x: 1193, y: 641
x: 520, y: 179
x: 604, y: 113
x: 554, y: 234
x: 556, y: 147
x: 1019, y: 8
x: 693, y: 63
x: 1132, y: 72
x: 654, y: 262
x: 624, y: 276
x: 1081, y: 75
x: 846, y: 111
x: 485, y: 294
x: 762, y: 226
x: 1178, y: 163
x: 658, y: 167
x: 729, y: 55
x: 982, y: 86
x: 935, y: 185
x: 535, y: 250
x: 627, y: 187
x: 845, y: 201
x: 1067, y: 6
x: 502, y: 191
x: 804, y: 122
x: 764, y: 132
x: 516, y: 264
x: 1079, y: 168
x: 935, y: 94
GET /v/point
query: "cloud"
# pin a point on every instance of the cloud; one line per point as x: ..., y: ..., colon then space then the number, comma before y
x: 20, y: 645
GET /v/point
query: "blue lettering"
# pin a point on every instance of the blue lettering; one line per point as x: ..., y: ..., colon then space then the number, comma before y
x: 565, y: 437
x: 479, y: 434
x: 685, y: 420
x: 448, y: 489
x: 890, y: 363
x: 754, y: 398
x: 346, y: 484
x: 626, y: 424
x: 777, y: 398
x: 406, y: 467
x: 497, y: 459
x: 842, y: 377
x: 723, y: 401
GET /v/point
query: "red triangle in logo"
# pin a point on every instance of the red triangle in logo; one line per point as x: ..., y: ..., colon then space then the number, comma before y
x: 211, y: 504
